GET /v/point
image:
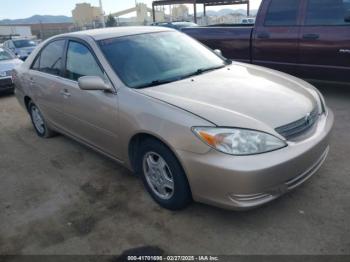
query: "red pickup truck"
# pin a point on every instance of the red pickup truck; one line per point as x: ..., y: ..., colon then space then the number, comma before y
x: 306, y: 38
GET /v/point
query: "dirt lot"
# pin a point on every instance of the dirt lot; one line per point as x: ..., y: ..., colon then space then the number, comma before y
x: 58, y: 197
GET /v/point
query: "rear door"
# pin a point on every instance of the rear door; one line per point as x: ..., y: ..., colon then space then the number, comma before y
x: 43, y: 81
x: 276, y: 35
x: 91, y: 116
x: 325, y: 40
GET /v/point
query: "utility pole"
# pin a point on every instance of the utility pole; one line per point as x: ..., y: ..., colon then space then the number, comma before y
x: 102, y: 16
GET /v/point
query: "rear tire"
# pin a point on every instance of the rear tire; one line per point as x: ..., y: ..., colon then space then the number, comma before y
x: 39, y: 123
x: 163, y: 176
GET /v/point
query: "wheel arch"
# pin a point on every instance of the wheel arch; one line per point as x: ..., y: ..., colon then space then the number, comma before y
x: 137, y: 139
x: 27, y: 100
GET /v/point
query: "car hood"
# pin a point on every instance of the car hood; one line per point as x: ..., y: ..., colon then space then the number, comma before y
x: 241, y: 95
x: 7, y: 65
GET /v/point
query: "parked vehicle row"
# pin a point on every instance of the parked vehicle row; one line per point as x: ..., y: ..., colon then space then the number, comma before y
x: 306, y: 38
x: 192, y: 124
x: 21, y: 47
x: 7, y: 63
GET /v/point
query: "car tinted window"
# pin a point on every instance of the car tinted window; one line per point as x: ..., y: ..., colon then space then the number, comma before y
x: 4, y: 55
x: 24, y: 43
x: 327, y: 12
x: 50, y: 60
x: 80, y: 62
x: 282, y: 13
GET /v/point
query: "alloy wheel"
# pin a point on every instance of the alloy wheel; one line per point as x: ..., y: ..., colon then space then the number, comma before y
x: 158, y: 175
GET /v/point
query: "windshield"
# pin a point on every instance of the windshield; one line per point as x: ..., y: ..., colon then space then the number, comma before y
x: 4, y: 55
x: 151, y: 59
x: 23, y: 43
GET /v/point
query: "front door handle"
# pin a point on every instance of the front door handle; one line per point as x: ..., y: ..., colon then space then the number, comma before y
x: 263, y: 35
x: 311, y: 36
x: 65, y: 93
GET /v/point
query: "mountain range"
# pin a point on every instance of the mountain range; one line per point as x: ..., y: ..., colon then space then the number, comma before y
x: 37, y: 19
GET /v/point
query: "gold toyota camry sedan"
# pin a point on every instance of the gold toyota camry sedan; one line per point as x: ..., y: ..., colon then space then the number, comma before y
x: 192, y: 124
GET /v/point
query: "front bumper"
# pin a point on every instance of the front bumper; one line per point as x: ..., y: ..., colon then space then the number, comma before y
x: 245, y: 182
x: 6, y: 84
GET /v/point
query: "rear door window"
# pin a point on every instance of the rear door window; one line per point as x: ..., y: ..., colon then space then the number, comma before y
x: 50, y: 58
x: 327, y: 12
x: 282, y: 13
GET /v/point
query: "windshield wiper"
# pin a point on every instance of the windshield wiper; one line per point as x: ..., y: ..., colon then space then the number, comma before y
x: 166, y: 81
x: 155, y: 83
x: 228, y: 61
x: 202, y: 70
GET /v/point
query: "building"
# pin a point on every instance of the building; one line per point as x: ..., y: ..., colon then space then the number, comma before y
x: 180, y: 13
x: 15, y: 30
x: 85, y: 14
x: 142, y: 15
x: 46, y: 30
x: 8, y: 31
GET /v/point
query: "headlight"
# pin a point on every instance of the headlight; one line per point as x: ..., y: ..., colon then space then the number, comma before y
x: 235, y: 141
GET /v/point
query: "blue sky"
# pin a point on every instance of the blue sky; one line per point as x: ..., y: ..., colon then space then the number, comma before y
x: 25, y: 8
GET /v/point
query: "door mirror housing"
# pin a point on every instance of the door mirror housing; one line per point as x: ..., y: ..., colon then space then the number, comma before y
x: 218, y: 52
x: 347, y: 16
x: 93, y: 83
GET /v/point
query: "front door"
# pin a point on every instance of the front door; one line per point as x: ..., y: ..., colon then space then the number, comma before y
x: 92, y: 116
x: 325, y: 40
x: 275, y: 38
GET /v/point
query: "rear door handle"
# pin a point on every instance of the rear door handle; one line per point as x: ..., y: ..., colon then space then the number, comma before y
x: 344, y: 51
x: 65, y: 93
x: 311, y: 36
x: 263, y: 35
x: 31, y: 81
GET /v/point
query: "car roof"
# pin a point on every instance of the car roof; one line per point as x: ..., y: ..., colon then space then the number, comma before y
x: 20, y: 39
x: 106, y: 33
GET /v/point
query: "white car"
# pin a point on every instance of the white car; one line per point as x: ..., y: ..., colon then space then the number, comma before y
x: 8, y: 62
x: 22, y: 48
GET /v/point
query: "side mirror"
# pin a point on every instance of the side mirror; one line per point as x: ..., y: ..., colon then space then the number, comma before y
x: 347, y: 16
x: 93, y: 83
x: 218, y: 52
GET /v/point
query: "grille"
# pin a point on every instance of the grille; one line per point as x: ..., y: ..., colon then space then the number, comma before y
x: 298, y: 127
x: 9, y: 73
x: 5, y: 82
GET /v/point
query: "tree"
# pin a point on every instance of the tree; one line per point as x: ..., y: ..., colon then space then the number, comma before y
x: 111, y: 21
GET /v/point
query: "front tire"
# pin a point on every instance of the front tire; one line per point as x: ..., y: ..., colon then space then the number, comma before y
x: 39, y: 122
x: 163, y: 175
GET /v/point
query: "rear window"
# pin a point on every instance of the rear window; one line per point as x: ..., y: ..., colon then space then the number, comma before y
x: 327, y: 12
x: 24, y: 43
x: 282, y: 13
